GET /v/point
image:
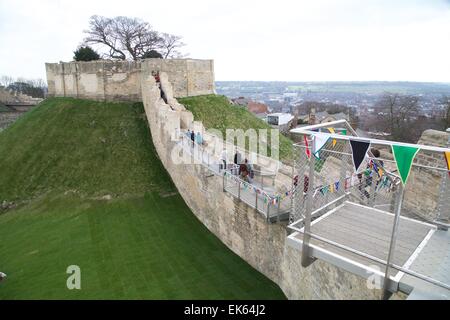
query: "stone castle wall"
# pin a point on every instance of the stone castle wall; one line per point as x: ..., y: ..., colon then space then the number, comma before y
x: 121, y: 81
x: 16, y: 98
x: 237, y: 225
x: 427, y: 190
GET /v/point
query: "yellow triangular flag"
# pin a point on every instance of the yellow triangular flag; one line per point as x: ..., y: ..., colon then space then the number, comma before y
x: 447, y: 157
x: 333, y: 132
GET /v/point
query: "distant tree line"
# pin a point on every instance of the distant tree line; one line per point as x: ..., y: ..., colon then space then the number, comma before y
x: 400, y: 116
x: 36, y: 88
x: 126, y: 38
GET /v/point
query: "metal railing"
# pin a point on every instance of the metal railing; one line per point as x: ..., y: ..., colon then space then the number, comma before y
x: 264, y: 197
x: 327, y: 181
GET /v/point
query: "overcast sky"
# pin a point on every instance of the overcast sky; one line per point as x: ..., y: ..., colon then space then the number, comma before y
x: 303, y: 40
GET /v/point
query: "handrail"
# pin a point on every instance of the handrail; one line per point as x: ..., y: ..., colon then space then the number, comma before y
x: 308, y: 130
x: 275, y: 197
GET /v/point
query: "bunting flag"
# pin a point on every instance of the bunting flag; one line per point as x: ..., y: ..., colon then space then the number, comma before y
x: 344, y: 132
x: 319, y: 142
x: 404, y: 157
x: 319, y: 165
x: 308, y: 152
x: 447, y: 157
x: 332, y: 131
x: 336, y: 186
x: 359, y: 150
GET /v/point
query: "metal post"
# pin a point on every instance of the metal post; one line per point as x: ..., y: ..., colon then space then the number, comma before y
x: 256, y: 201
x: 343, y: 172
x: 262, y: 180
x: 306, y: 259
x: 443, y: 206
x: 223, y: 182
x: 268, y: 211
x: 386, y: 292
x: 239, y: 190
x: 372, y: 189
x: 393, y: 197
x: 278, y: 211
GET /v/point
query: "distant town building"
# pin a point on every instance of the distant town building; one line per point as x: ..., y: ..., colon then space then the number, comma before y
x: 322, y: 117
x: 241, y: 101
x: 280, y: 120
x: 257, y: 107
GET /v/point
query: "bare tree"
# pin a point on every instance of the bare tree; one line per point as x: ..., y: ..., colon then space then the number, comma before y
x: 446, y: 112
x: 396, y: 115
x: 5, y: 81
x: 129, y: 38
x: 169, y: 45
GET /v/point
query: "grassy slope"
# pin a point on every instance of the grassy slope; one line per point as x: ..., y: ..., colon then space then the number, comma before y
x: 215, y: 111
x: 143, y: 243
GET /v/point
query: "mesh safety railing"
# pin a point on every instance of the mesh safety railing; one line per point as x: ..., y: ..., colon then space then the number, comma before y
x: 261, y: 191
x: 370, y: 216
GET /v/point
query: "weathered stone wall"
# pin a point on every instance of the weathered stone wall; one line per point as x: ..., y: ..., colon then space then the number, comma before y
x: 16, y: 98
x: 237, y: 225
x: 427, y: 191
x: 120, y: 80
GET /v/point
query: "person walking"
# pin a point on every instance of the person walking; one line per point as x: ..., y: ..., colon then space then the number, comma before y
x: 198, y: 138
x: 224, y: 159
x: 251, y: 173
x: 245, y: 171
x: 193, y: 137
x: 188, y: 135
x: 237, y: 160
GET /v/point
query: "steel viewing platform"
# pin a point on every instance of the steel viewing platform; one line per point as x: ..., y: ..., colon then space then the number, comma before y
x: 367, y: 221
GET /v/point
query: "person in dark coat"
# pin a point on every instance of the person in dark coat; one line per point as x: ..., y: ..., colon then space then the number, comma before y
x: 237, y: 160
x: 193, y: 137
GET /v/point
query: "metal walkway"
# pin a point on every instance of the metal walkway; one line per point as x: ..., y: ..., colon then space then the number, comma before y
x: 258, y: 196
x: 433, y: 260
x: 366, y: 230
x: 257, y: 201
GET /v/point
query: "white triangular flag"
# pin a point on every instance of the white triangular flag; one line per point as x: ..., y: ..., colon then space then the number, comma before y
x: 319, y: 141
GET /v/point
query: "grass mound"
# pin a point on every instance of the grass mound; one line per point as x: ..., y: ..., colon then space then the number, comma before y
x: 216, y: 112
x: 88, y: 189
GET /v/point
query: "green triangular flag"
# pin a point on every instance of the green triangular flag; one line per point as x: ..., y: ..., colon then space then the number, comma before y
x: 404, y: 157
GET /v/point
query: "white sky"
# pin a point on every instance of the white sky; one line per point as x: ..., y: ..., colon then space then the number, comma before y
x: 303, y: 40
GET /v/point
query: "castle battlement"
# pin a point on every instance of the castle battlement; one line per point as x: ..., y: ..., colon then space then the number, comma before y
x: 121, y: 81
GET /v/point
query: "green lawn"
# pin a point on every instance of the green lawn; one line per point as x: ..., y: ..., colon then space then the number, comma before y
x: 216, y: 112
x: 58, y: 161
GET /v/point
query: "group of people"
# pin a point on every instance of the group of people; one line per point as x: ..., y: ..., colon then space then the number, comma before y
x: 196, y: 138
x: 242, y: 168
